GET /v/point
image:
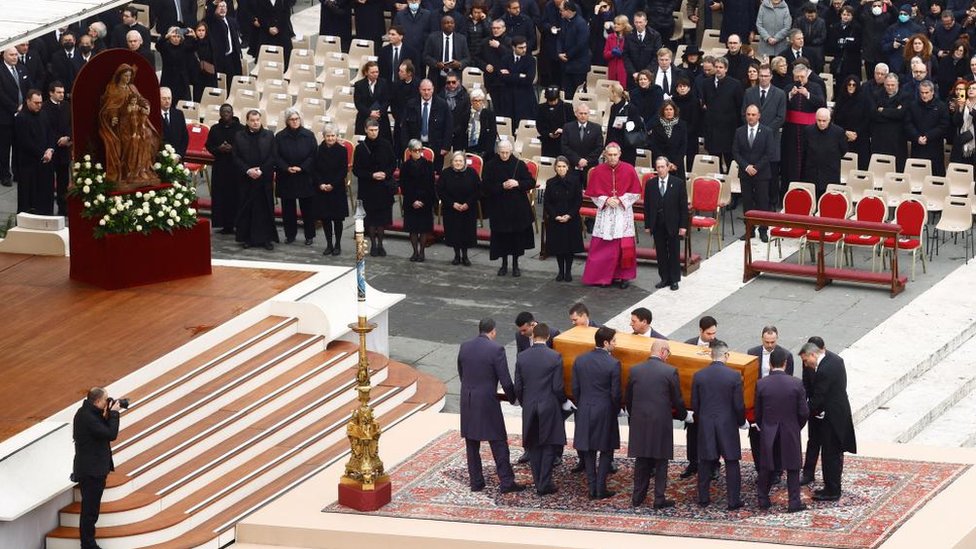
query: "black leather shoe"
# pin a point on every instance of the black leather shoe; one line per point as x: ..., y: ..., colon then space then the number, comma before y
x: 515, y: 488
x: 227, y: 230
x: 664, y: 504
x: 381, y: 252
x: 465, y: 261
x: 516, y: 271
x: 777, y: 479
x: 547, y: 491
x: 524, y: 458
x: 689, y: 472
x: 634, y: 502
x: 764, y: 237
x: 733, y: 507
x: 568, y: 277
x: 662, y: 284
x: 704, y: 504
x: 820, y: 496
x: 613, y: 468
x: 560, y: 277
x: 373, y: 251
x: 796, y: 509
x: 328, y: 250
x: 715, y: 474
x: 806, y: 479
x: 308, y: 241
x: 765, y: 505
x: 269, y: 246
x: 456, y: 261
x: 289, y: 240
x: 606, y: 495
x: 7, y: 182
x: 623, y: 284
x: 557, y: 461
x: 674, y: 287
x: 477, y: 487
x: 413, y: 258
x: 502, y: 271
x: 337, y: 250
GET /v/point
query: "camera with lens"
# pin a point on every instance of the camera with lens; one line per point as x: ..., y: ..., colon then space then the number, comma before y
x: 123, y: 402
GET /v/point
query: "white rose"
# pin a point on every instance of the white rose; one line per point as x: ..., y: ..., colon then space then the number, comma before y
x: 88, y: 204
x: 100, y: 198
x: 149, y: 218
x: 77, y: 165
x: 113, y: 211
x: 86, y: 189
x: 174, y: 213
x: 138, y: 194
x: 139, y: 211
x: 98, y: 165
x: 139, y: 227
x: 162, y: 199
x: 87, y: 165
x: 151, y: 193
x: 169, y: 222
x: 101, y: 222
x: 165, y: 154
x: 99, y: 178
x: 88, y: 181
x: 177, y: 158
x: 169, y: 147
x: 87, y: 157
x: 156, y: 200
x: 191, y: 211
x: 157, y: 165
x: 169, y: 169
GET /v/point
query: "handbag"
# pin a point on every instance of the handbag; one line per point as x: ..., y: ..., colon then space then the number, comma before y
x: 636, y: 138
x: 965, y: 137
x: 207, y: 67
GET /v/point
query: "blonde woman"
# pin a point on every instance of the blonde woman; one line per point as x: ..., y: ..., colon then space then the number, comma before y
x: 613, y: 50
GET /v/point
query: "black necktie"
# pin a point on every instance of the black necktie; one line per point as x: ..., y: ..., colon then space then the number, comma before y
x: 396, y: 62
x: 582, y: 131
x: 667, y: 88
x: 166, y: 117
x: 762, y: 97
x: 447, y: 49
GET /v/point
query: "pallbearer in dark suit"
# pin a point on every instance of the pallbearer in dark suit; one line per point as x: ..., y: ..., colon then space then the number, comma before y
x: 781, y: 412
x: 829, y: 402
x: 770, y: 335
x: 596, y: 388
x: 716, y: 399
x: 752, y: 149
x: 666, y: 217
x: 526, y: 323
x: 539, y: 389
x: 653, y: 391
x: 707, y: 332
x: 482, y: 366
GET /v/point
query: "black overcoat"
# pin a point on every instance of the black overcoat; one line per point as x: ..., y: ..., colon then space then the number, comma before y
x: 564, y: 195
x: 830, y: 397
x: 716, y: 398
x: 92, y: 433
x: 482, y: 366
x: 331, y: 167
x: 653, y: 391
x: 295, y: 148
x: 781, y: 412
x: 255, y: 222
x: 224, y: 179
x: 539, y: 389
x: 375, y: 155
x: 596, y: 388
x: 417, y: 184
x: 460, y: 228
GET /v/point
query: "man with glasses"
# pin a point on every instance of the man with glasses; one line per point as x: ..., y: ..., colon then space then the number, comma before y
x: 926, y: 124
x: 458, y: 101
x: 517, y: 74
x: 480, y: 130
x: 771, y: 101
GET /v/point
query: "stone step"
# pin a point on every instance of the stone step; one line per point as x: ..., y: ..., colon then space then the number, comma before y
x: 924, y: 401
x: 956, y: 427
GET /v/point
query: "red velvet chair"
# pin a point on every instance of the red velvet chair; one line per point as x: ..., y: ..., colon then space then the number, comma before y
x: 197, y: 148
x: 798, y: 201
x: 834, y: 205
x: 704, y: 199
x: 871, y: 208
x: 911, y: 215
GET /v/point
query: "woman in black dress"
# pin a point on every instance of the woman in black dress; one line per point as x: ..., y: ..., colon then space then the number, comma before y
x: 623, y: 119
x: 853, y: 113
x: 205, y: 75
x: 506, y: 180
x: 646, y: 97
x: 689, y: 108
x: 551, y: 116
x: 419, y: 196
x: 373, y: 164
x: 669, y: 137
x: 332, y: 204
x: 564, y: 236
x: 459, y: 189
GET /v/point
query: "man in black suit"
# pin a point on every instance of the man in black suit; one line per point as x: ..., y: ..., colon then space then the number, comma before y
x: 58, y: 112
x: 771, y: 101
x: 33, y: 155
x: 173, y: 13
x: 752, y: 148
x: 517, y: 74
x: 395, y: 52
x: 134, y: 43
x: 640, y: 47
x: 814, y: 425
x: 640, y: 322
x: 722, y: 99
x: 770, y: 337
x: 582, y: 141
x: 482, y: 366
x: 118, y: 38
x: 440, y: 60
x: 14, y: 84
x: 95, y: 426
x: 827, y: 144
x: 666, y: 74
x: 830, y: 403
x: 371, y: 95
x: 666, y: 217
x: 174, y: 123
x: 62, y: 66
x: 652, y: 399
x: 524, y: 323
x: 707, y: 333
x: 781, y: 411
x: 716, y: 398
x: 539, y: 389
x: 428, y: 119
x: 30, y: 62
x: 225, y: 40
x: 519, y: 24
x: 85, y: 52
x: 795, y: 51
x: 596, y: 389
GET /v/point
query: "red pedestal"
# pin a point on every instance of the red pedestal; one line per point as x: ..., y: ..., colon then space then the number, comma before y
x: 121, y: 261
x: 354, y: 497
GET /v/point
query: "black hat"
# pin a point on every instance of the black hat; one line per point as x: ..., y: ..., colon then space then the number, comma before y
x: 552, y: 92
x: 691, y: 50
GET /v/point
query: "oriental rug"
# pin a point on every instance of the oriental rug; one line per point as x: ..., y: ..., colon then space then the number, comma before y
x: 879, y: 496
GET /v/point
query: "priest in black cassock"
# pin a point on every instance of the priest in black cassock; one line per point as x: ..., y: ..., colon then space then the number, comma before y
x: 506, y: 182
x: 57, y: 109
x: 255, y: 159
x: 224, y: 179
x: 826, y: 145
x: 33, y: 158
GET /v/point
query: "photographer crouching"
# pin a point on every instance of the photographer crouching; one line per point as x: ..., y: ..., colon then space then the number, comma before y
x: 95, y: 426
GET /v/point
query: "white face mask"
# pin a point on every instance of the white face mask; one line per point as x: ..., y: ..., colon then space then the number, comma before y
x: 876, y: 10
x: 413, y: 7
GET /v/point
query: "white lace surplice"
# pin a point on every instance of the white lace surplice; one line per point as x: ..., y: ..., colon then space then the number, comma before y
x: 614, y: 223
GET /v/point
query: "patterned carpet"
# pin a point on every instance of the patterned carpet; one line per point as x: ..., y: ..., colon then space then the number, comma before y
x: 879, y: 496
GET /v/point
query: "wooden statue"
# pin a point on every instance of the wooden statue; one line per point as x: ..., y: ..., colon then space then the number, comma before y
x: 130, y: 140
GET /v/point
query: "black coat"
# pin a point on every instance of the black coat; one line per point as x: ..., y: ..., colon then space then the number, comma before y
x: 853, y: 114
x: 180, y: 66
x: 377, y: 196
x: 563, y: 197
x: 508, y: 209
x: 61, y: 68
x: 722, y: 107
x: 175, y: 132
x: 59, y: 118
x: 224, y: 179
x: 931, y: 120
x: 487, y: 135
x: 623, y: 109
x: 647, y: 102
x: 460, y: 114
x: 417, y: 185
x: 295, y: 148
x: 781, y: 412
x: 92, y: 433
x: 482, y: 367
x: 460, y: 228
x: 640, y: 55
x: 539, y: 389
x: 596, y: 389
x: 440, y: 124
x: 888, y: 128
x: 229, y: 64
x: 519, y: 87
x: 590, y: 147
x: 674, y: 208
x: 276, y: 15
x: 385, y: 60
x: 825, y: 149
x: 674, y: 148
x: 255, y: 216
x: 35, y: 178
x: 653, y: 391
x: 331, y: 167
x: 164, y: 14
x: 366, y: 102
x: 550, y: 118
x: 8, y: 93
x: 716, y: 398
x: 844, y: 43
x: 830, y: 397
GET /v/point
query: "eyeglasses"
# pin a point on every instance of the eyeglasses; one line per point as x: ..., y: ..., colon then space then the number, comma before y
x: 451, y: 82
x: 294, y: 119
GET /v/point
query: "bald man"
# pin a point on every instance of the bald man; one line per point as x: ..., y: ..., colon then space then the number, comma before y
x: 753, y: 148
x: 826, y: 146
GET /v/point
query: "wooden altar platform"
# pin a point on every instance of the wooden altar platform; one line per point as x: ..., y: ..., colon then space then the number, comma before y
x: 60, y: 337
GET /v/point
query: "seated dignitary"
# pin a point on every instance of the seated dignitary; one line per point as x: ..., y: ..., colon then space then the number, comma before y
x: 781, y: 412
x: 653, y: 398
x: 482, y: 366
x: 596, y: 388
x: 539, y: 389
x: 640, y: 322
x: 717, y: 400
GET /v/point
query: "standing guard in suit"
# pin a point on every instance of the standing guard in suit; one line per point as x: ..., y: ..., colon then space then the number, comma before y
x: 781, y: 412
x: 539, y: 389
x: 752, y: 148
x: 596, y: 389
x: 174, y: 123
x: 58, y: 112
x: 830, y: 403
x: 707, y: 332
x: 30, y: 62
x: 482, y: 366
x: 666, y: 217
x: 14, y: 84
x: 716, y: 399
x: 771, y: 101
x: 653, y: 391
x: 770, y: 337
x: 581, y: 141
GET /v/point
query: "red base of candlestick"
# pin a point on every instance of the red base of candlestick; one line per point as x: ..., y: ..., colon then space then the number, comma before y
x: 353, y: 496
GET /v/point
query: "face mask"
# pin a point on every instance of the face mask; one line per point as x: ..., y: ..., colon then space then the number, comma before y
x: 876, y: 10
x: 68, y: 46
x: 85, y: 49
x: 413, y: 7
x: 814, y: 2
x: 903, y: 17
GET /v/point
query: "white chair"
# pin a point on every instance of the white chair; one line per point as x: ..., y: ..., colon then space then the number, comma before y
x: 935, y: 189
x: 526, y: 130
x: 325, y: 45
x: 301, y: 73
x: 711, y: 40
x: 300, y: 56
x: 960, y: 178
x: 312, y: 106
x: 268, y: 52
x: 274, y: 85
x: 504, y: 125
x: 896, y: 185
x: 191, y: 110
x: 859, y: 182
x: 269, y: 70
x: 531, y: 148
x: 547, y: 170
x: 472, y: 77
x: 880, y: 164
x: 847, y: 163
x: 917, y: 169
x: 309, y: 89
x: 243, y: 82
x: 957, y: 217
x: 245, y: 99
x: 707, y: 164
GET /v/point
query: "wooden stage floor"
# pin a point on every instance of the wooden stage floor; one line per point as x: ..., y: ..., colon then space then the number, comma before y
x: 59, y: 337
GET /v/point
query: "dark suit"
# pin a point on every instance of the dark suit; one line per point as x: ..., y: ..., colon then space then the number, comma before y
x: 772, y: 114
x: 482, y: 367
x: 10, y: 101
x: 367, y: 102
x: 596, y: 389
x: 519, y: 87
x: 59, y: 119
x: 226, y: 45
x: 522, y: 342
x: 825, y: 149
x: 837, y: 432
x: 816, y: 60
x: 440, y: 127
x: 434, y: 53
x: 672, y: 77
x: 664, y: 216
x: 653, y: 391
x: 92, y: 433
x: 539, y: 389
x: 117, y: 36
x: 165, y: 15
x: 755, y: 188
x: 573, y: 40
x: 722, y: 107
x: 36, y: 71
x: 716, y: 398
x: 174, y: 131
x: 781, y: 412
x: 385, y: 60
x: 589, y: 147
x: 640, y: 54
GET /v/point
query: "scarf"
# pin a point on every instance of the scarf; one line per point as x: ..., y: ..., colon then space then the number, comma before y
x: 967, y: 126
x: 451, y: 97
x: 669, y: 125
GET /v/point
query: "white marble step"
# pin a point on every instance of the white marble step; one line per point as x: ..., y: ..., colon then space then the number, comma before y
x: 956, y: 427
x: 925, y: 400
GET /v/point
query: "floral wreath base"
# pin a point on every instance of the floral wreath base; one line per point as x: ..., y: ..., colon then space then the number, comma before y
x: 162, y: 208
